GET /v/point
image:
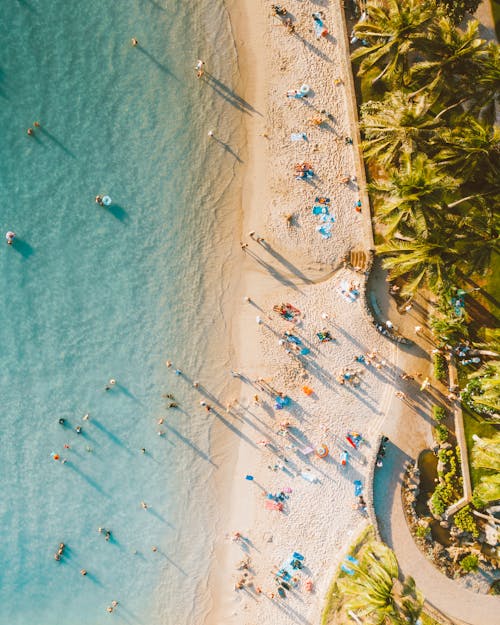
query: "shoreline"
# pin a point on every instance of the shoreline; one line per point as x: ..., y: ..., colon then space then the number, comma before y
x: 252, y: 62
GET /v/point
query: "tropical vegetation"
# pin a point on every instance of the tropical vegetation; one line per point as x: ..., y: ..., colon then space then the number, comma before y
x: 368, y: 590
x: 482, y: 392
x: 430, y: 141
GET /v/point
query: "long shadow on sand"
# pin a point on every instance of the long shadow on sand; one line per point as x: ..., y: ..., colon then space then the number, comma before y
x: 189, y: 443
x: 229, y: 95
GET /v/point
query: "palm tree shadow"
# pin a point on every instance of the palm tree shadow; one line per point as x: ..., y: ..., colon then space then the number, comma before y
x: 90, y: 481
x: 189, y: 443
x: 228, y: 94
x: 287, y: 264
x: 310, y: 46
x: 56, y: 141
x: 160, y: 66
x: 112, y: 437
x: 23, y: 247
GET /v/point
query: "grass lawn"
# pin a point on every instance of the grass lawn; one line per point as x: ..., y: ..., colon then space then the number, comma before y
x: 475, y: 424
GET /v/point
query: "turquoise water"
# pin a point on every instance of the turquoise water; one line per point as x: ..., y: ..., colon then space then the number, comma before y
x: 93, y: 293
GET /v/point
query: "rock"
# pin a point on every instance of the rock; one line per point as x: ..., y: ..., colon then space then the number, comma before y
x: 491, y: 534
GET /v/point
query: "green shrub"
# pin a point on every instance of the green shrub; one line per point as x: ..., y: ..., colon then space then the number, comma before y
x: 423, y: 531
x: 469, y: 563
x: 464, y: 520
x: 439, y: 413
x: 440, y: 368
x: 441, y: 433
x: 477, y: 502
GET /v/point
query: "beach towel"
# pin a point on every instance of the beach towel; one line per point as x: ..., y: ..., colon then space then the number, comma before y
x: 329, y: 219
x: 358, y: 488
x: 320, y: 210
x: 273, y: 505
x: 298, y: 136
x: 324, y: 232
x: 350, y: 296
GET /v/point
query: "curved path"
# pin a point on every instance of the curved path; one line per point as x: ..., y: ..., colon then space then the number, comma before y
x: 408, y: 426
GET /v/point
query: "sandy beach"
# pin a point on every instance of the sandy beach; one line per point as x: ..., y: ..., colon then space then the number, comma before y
x: 295, y: 264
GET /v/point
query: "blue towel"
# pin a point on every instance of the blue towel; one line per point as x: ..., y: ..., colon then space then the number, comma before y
x: 320, y: 210
x: 297, y: 556
x: 358, y: 488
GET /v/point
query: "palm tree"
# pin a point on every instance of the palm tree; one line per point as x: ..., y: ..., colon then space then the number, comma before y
x: 487, y: 80
x: 476, y: 236
x: 374, y: 594
x: 421, y: 261
x: 395, y: 126
x: 391, y: 31
x: 452, y: 60
x: 469, y: 149
x: 413, y: 195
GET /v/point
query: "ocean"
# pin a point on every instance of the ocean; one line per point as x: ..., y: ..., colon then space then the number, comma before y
x: 95, y: 293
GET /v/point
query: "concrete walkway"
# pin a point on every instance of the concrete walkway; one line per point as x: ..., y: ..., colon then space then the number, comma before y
x: 408, y: 426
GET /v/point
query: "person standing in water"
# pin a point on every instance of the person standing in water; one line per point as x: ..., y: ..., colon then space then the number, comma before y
x: 9, y: 237
x: 199, y: 68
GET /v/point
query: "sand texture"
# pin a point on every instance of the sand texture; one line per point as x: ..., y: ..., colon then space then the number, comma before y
x: 296, y: 264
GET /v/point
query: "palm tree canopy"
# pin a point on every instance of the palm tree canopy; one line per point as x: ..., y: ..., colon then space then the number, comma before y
x: 420, y: 261
x: 469, y: 149
x: 395, y: 126
x: 451, y: 56
x: 413, y: 195
x: 390, y: 30
x: 374, y: 592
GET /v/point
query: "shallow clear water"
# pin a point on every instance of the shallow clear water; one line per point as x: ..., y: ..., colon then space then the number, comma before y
x: 91, y: 294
